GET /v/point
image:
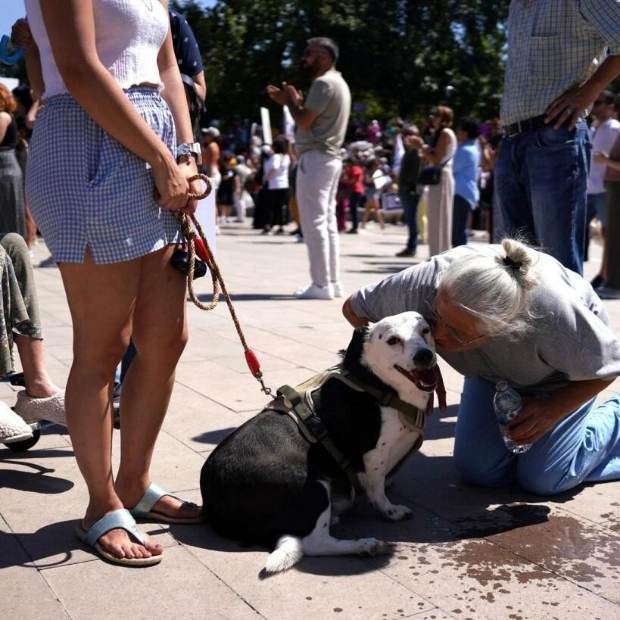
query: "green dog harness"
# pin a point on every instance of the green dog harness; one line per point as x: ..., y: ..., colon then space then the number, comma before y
x: 299, y: 404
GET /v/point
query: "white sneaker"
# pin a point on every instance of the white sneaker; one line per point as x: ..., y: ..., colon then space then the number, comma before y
x: 338, y: 290
x: 315, y: 292
x: 12, y: 427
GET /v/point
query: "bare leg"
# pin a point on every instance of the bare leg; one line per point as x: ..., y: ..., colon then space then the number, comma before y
x: 31, y: 228
x: 378, y: 214
x: 37, y: 381
x: 159, y: 335
x: 101, y: 336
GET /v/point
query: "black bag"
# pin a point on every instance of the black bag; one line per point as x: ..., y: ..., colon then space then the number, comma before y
x: 430, y: 175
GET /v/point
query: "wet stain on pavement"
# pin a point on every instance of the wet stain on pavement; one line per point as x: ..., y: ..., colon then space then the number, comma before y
x: 541, y: 547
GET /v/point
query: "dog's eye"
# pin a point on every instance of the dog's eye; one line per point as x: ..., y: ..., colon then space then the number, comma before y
x: 426, y: 331
x: 393, y: 340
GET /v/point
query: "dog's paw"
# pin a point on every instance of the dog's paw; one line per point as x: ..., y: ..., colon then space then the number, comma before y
x: 372, y: 546
x: 397, y: 513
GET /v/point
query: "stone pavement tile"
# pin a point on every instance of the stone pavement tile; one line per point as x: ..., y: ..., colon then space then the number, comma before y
x: 238, y: 391
x: 345, y: 587
x: 613, y: 525
x: 598, y: 503
x: 179, y: 587
x: 315, y: 356
x: 44, y: 497
x: 475, y: 578
x: 25, y: 595
x: 175, y: 466
x: 572, y: 548
x: 198, y: 422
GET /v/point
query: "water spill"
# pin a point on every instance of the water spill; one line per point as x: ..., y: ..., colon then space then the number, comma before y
x: 540, y: 547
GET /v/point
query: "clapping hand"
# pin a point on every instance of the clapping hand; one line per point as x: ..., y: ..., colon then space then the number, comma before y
x: 287, y: 95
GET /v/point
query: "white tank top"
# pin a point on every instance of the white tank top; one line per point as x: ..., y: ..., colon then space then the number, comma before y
x: 129, y: 34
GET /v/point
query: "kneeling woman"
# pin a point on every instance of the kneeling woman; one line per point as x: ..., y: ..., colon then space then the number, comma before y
x: 510, y: 312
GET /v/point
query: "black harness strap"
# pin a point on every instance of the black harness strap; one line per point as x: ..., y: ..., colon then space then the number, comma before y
x: 316, y: 427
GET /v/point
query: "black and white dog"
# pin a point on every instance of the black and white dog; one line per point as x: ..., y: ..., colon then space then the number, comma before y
x: 267, y: 484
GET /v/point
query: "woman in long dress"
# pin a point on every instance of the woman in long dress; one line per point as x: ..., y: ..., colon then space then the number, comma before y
x: 440, y: 196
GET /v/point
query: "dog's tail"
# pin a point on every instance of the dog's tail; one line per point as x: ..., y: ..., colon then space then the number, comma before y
x: 289, y: 550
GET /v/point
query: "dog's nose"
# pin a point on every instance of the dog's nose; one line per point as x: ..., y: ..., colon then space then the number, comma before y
x: 423, y: 357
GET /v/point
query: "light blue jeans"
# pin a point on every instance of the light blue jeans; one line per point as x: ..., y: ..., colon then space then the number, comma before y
x: 540, y: 183
x: 584, y: 447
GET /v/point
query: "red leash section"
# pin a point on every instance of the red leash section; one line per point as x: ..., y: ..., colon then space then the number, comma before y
x: 199, y: 246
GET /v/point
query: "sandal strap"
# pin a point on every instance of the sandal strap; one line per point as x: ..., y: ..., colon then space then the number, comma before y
x: 117, y: 519
x: 151, y: 496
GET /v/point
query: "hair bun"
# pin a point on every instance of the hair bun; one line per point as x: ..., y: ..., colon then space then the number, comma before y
x: 512, y: 264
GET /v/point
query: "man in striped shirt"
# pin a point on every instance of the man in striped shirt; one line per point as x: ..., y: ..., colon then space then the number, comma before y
x: 561, y: 55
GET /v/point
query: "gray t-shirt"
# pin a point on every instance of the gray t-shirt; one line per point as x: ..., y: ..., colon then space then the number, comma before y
x: 570, y: 339
x: 330, y: 97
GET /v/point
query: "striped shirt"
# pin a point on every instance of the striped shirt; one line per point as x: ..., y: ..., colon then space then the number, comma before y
x: 553, y: 45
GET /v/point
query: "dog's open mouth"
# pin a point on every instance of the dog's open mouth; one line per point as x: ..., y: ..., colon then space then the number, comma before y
x: 425, y: 380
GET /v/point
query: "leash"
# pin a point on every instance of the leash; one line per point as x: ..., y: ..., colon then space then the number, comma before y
x: 198, y: 245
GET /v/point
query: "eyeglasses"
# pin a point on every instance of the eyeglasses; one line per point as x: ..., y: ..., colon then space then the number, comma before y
x: 436, y: 319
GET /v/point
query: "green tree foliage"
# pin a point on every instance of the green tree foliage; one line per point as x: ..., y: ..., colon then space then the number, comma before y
x: 400, y: 57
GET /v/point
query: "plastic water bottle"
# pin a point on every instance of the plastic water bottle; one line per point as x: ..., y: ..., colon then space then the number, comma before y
x: 507, y: 404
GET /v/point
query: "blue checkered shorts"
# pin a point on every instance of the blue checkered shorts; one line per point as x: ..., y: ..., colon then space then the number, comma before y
x: 86, y: 190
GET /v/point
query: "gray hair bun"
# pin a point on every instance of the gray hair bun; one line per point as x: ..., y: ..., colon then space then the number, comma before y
x: 518, y: 262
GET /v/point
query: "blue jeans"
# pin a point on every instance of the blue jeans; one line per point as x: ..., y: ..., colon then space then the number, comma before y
x: 409, y: 200
x: 460, y: 214
x: 540, y: 183
x: 583, y: 447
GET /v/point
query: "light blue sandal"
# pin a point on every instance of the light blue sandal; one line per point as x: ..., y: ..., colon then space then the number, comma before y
x: 144, y: 508
x: 117, y: 519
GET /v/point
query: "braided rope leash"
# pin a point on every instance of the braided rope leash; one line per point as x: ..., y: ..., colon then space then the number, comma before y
x: 198, y: 245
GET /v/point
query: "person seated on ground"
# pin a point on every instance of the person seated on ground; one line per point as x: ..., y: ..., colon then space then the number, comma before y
x: 20, y: 324
x: 510, y: 312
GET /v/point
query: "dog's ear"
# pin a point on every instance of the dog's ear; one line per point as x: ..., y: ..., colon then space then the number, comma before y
x: 354, y: 351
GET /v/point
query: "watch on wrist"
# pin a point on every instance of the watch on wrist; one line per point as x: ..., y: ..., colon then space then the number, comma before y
x: 189, y: 149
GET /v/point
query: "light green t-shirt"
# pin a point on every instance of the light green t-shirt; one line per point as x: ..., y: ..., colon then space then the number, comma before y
x: 329, y: 96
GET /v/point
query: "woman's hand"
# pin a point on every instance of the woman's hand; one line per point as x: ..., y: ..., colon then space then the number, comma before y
x: 541, y: 414
x: 21, y: 35
x: 197, y: 187
x: 537, y: 418
x: 171, y: 185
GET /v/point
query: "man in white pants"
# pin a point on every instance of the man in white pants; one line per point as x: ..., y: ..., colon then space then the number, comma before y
x: 321, y: 127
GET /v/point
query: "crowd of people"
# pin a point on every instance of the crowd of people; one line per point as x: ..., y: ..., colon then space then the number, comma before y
x: 373, y: 173
x: 490, y: 306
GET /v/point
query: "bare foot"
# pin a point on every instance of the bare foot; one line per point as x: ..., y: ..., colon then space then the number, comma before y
x: 167, y: 505
x: 177, y: 509
x: 121, y: 544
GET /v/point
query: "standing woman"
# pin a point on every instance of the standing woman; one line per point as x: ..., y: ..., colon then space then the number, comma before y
x: 276, y: 180
x: 440, y: 196
x: 103, y: 183
x: 12, y: 208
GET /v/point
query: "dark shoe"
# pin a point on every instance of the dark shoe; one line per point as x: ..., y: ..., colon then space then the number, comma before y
x: 608, y: 293
x: 352, y: 231
x: 297, y: 231
x: 280, y: 231
x: 405, y: 253
x: 598, y: 281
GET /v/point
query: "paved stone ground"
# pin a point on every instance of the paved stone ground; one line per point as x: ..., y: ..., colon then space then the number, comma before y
x: 467, y: 553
